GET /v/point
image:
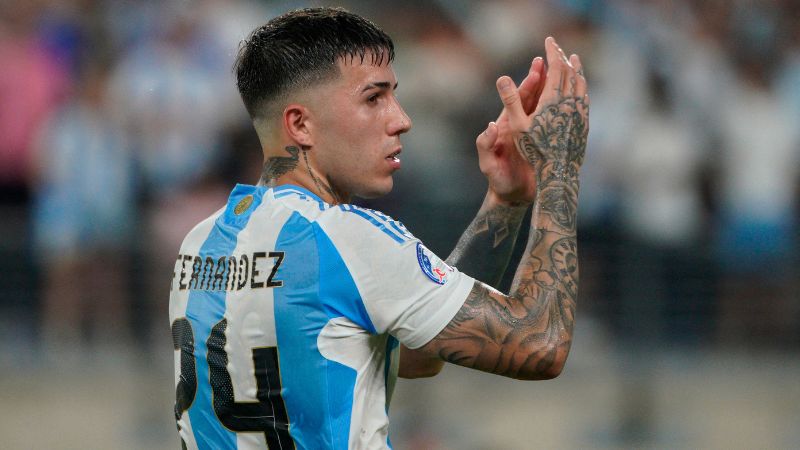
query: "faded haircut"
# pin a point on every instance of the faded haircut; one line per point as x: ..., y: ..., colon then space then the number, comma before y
x: 301, y: 49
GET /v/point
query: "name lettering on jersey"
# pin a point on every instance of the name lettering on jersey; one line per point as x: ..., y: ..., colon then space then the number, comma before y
x: 227, y: 273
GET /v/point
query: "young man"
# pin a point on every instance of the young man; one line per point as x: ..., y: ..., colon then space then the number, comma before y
x: 287, y: 304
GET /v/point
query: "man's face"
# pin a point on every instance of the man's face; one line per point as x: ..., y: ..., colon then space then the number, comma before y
x: 357, y: 129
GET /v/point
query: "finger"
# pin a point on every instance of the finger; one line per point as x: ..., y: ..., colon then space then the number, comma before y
x: 566, y: 75
x: 563, y: 55
x: 510, y: 96
x: 528, y: 85
x: 569, y: 78
x: 555, y: 69
x: 580, y: 86
x: 531, y: 87
x: 486, y: 140
x: 543, y: 74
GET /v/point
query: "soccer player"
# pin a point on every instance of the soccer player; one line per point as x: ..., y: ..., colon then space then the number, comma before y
x: 293, y: 310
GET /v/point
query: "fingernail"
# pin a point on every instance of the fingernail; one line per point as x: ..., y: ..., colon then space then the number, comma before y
x: 505, y: 83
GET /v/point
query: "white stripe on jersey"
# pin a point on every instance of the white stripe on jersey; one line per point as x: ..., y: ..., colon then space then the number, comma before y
x: 372, y: 281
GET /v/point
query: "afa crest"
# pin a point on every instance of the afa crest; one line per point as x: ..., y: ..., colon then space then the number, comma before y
x: 243, y: 205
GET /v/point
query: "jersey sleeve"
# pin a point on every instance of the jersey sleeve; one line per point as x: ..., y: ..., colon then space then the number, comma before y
x: 405, y: 288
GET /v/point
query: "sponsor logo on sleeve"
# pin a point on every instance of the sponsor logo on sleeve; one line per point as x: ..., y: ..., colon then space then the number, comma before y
x: 433, y: 267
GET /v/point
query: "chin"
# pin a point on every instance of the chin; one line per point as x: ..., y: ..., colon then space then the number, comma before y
x: 378, y: 189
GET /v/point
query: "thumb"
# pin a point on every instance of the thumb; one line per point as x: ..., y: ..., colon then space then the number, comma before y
x: 486, y: 140
x: 511, y: 100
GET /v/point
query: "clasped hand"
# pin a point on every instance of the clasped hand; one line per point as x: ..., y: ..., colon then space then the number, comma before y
x: 542, y: 130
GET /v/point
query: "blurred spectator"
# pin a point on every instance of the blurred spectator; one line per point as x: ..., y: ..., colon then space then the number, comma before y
x: 663, y: 219
x: 690, y: 197
x: 167, y: 98
x: 31, y: 84
x: 177, y: 97
x: 83, y: 218
x: 757, y: 230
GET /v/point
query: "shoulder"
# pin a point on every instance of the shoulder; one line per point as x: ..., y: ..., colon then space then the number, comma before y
x: 348, y: 220
x: 197, y: 235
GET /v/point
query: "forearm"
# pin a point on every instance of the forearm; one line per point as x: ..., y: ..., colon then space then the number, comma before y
x: 527, y: 334
x: 485, y: 248
x: 545, y: 285
x: 482, y: 252
x: 546, y: 282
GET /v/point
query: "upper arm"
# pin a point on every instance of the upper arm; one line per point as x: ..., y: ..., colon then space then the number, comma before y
x: 496, y: 333
x: 418, y: 364
x: 405, y: 289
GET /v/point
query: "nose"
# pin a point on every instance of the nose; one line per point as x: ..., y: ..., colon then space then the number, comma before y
x: 399, y: 122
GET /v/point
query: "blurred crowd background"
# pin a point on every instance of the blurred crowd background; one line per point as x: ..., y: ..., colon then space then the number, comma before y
x: 120, y: 128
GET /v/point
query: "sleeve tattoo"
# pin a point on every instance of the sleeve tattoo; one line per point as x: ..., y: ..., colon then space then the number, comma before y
x: 527, y: 334
x: 484, y: 250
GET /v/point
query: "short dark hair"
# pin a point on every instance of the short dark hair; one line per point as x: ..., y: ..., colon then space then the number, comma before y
x: 301, y: 48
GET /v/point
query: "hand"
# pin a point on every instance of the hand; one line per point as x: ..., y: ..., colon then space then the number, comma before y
x: 553, y: 138
x: 511, y: 180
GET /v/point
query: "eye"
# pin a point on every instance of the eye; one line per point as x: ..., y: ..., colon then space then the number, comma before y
x: 373, y: 98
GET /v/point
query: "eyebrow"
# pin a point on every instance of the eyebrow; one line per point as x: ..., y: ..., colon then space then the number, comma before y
x: 378, y: 84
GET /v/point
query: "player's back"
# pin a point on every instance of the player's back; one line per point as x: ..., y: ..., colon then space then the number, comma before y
x: 274, y: 347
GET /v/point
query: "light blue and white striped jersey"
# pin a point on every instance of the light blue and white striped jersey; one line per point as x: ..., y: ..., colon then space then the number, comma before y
x: 286, y: 314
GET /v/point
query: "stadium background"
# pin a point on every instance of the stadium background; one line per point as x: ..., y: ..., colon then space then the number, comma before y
x: 120, y: 127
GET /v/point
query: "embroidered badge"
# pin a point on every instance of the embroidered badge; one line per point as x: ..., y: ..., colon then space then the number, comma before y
x: 433, y: 267
x: 243, y: 205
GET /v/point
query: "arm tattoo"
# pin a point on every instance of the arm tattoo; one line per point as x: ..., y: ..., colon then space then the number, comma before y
x: 528, y: 333
x: 279, y: 165
x: 485, y: 247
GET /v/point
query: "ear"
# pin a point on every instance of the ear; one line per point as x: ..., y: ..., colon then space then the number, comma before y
x: 296, y: 122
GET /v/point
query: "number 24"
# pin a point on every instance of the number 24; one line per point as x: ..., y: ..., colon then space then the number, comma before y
x: 267, y: 415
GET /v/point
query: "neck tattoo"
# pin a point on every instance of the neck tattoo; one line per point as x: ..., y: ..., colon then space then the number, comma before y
x: 322, y: 187
x: 276, y: 166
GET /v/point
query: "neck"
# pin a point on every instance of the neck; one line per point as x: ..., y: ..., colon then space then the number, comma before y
x: 293, y: 167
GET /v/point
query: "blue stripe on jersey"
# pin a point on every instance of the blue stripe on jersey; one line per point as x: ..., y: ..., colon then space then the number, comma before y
x: 204, y: 310
x: 393, y: 223
x: 338, y: 292
x: 383, y: 226
x: 318, y: 392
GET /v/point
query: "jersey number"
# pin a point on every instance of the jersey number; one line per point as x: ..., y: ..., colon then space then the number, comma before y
x: 267, y: 415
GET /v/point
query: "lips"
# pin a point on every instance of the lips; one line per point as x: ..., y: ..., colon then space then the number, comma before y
x: 394, y: 160
x: 394, y: 155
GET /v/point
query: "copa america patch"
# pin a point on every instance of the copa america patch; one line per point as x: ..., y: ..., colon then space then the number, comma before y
x: 433, y: 267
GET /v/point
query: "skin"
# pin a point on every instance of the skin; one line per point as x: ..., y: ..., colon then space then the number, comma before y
x: 484, y: 249
x: 334, y: 140
x: 527, y: 333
